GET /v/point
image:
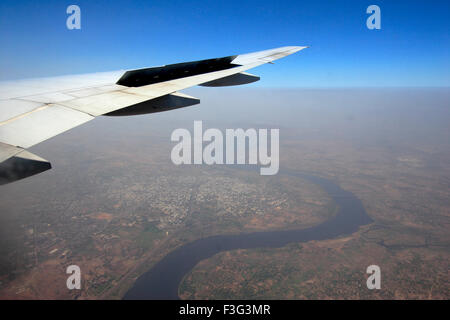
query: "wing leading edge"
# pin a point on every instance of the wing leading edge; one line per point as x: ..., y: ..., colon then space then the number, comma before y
x: 32, y: 111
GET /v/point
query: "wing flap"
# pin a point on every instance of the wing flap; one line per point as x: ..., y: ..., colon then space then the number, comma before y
x: 233, y: 80
x: 99, y: 104
x: 7, y: 151
x: 23, y: 165
x: 40, y: 124
x: 164, y: 103
x: 12, y: 108
x: 163, y: 88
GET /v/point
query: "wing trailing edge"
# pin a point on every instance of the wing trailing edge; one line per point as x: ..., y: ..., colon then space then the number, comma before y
x: 22, y: 165
x: 164, y: 103
x: 233, y: 80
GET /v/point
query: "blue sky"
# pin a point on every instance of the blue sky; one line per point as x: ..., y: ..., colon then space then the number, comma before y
x: 411, y: 49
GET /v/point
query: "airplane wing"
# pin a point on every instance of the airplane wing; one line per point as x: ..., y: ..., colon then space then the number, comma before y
x: 32, y: 111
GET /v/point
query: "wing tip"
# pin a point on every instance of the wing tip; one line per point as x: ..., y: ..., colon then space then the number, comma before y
x: 298, y: 48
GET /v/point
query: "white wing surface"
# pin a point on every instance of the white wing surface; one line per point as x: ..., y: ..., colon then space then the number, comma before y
x: 32, y: 111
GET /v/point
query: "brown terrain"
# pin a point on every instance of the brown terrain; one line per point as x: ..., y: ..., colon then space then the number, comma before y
x: 115, y: 208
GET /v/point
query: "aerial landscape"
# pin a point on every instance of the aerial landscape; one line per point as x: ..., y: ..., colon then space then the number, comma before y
x: 225, y: 159
x: 134, y: 206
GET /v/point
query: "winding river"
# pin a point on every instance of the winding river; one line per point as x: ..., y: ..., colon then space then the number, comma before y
x: 162, y: 281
